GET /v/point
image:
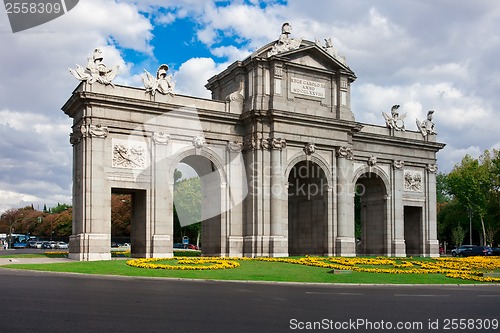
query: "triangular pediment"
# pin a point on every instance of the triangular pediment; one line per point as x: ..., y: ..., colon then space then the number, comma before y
x: 308, y: 54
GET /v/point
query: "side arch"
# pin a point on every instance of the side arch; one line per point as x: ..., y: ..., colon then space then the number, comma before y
x: 372, y: 215
x: 215, y: 195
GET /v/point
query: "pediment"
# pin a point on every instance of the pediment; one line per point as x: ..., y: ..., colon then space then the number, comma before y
x: 309, y: 54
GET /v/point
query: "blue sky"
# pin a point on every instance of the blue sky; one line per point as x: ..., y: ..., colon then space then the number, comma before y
x: 440, y: 55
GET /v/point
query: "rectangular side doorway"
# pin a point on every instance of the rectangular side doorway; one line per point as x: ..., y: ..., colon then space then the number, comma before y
x: 138, y: 217
x: 413, y: 230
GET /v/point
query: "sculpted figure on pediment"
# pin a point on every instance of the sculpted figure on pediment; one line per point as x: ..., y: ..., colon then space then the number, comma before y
x: 395, y: 120
x: 284, y: 42
x: 162, y: 83
x: 426, y: 127
x: 95, y: 71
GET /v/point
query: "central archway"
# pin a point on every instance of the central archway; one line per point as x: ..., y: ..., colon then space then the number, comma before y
x: 211, y: 204
x: 371, y: 214
x: 307, y: 209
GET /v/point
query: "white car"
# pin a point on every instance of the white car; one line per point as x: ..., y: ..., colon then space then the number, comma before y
x: 62, y: 245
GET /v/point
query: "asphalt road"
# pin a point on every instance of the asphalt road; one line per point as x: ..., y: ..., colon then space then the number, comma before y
x: 48, y: 302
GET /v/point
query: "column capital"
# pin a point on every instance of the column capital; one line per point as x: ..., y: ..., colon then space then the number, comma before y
x: 432, y: 168
x: 345, y: 152
x: 398, y: 164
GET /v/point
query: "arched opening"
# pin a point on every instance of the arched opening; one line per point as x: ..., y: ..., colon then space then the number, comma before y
x: 307, y: 209
x: 370, y: 215
x: 197, y: 201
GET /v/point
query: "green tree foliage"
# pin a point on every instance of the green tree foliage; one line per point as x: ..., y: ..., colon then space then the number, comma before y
x: 187, y: 202
x: 473, y: 185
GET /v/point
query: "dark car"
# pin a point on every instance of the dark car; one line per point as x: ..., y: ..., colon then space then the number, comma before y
x: 46, y: 245
x: 179, y: 246
x: 495, y: 251
x: 472, y: 250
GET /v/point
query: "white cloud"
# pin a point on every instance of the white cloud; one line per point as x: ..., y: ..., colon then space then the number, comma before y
x: 193, y: 75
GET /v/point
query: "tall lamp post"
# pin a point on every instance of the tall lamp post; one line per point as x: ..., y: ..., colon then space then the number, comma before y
x: 469, y: 210
x: 10, y: 229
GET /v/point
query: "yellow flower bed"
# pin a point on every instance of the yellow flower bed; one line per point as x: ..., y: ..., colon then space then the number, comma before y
x: 185, y: 263
x: 471, y: 268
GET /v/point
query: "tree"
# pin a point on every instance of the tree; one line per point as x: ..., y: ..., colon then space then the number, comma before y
x: 187, y: 206
x: 475, y: 184
x: 458, y: 235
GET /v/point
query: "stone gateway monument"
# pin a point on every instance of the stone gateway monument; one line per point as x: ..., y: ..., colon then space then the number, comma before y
x: 285, y: 168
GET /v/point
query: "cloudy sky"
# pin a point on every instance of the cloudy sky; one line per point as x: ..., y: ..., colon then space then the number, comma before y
x: 441, y: 55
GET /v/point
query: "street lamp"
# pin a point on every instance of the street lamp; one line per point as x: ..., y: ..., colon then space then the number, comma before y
x: 469, y: 210
x: 10, y: 229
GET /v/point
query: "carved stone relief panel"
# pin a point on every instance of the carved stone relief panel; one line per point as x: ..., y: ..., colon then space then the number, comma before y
x: 129, y: 154
x: 413, y: 181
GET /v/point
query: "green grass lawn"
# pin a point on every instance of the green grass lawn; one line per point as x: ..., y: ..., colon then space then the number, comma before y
x: 248, y: 271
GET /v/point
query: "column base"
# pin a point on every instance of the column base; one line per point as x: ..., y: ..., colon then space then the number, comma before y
x: 90, y: 247
x: 432, y: 248
x: 346, y: 246
x: 235, y: 246
x: 161, y: 247
x: 399, y: 248
x: 265, y: 246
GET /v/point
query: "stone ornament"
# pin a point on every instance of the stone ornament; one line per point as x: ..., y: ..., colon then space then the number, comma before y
x: 398, y: 164
x: 161, y: 83
x: 199, y: 142
x: 235, y: 146
x: 432, y: 168
x: 372, y: 160
x: 331, y: 50
x: 129, y: 156
x: 413, y: 181
x: 309, y: 148
x: 345, y: 152
x: 285, y: 43
x: 278, y: 143
x: 395, y: 121
x: 161, y: 138
x: 98, y: 131
x: 95, y: 71
x: 426, y: 127
x: 249, y: 144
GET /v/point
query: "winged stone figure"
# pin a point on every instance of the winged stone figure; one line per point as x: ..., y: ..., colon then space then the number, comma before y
x: 95, y: 71
x: 395, y: 120
x: 426, y: 127
x: 161, y: 83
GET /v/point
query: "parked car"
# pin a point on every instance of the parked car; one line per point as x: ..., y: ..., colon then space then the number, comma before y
x: 38, y: 245
x: 179, y: 246
x: 495, y: 251
x: 192, y: 247
x: 61, y: 245
x: 471, y: 250
x: 46, y: 245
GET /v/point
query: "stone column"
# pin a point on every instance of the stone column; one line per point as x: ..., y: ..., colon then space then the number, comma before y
x: 432, y: 243
x: 161, y: 229
x: 345, y: 242
x: 91, y: 238
x: 279, y: 245
x: 235, y: 196
x: 398, y: 241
